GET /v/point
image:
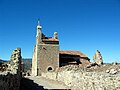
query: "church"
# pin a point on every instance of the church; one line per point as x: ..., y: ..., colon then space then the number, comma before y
x: 47, y: 56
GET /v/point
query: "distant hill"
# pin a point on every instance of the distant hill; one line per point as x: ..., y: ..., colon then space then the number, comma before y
x: 27, y: 63
x: 2, y: 61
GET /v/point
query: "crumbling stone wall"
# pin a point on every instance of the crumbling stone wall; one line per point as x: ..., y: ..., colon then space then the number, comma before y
x: 81, y: 79
x: 10, y: 78
x: 9, y: 81
x: 98, y: 58
x: 14, y: 64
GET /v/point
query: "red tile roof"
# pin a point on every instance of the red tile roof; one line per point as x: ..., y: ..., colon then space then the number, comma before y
x: 73, y: 53
x: 50, y: 39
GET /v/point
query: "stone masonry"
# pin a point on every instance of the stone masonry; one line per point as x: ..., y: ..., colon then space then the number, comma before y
x: 98, y: 58
x: 46, y: 53
x: 77, y: 78
x: 14, y: 64
x: 48, y: 57
x: 10, y: 78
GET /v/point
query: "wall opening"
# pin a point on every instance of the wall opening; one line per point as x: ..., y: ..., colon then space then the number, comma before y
x: 50, y: 69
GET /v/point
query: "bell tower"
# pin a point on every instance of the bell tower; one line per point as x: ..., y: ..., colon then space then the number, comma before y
x: 46, y: 53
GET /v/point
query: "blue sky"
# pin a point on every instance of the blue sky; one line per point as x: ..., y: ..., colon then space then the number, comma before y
x: 84, y: 25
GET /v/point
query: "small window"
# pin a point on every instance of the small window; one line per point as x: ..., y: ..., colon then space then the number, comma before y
x: 50, y: 69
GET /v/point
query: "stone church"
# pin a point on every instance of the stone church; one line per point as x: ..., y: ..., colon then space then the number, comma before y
x: 47, y: 57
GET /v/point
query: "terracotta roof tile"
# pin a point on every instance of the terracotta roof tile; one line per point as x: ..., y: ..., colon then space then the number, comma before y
x: 73, y: 53
x: 50, y: 39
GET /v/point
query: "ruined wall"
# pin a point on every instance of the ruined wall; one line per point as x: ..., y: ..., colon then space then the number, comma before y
x: 98, y: 58
x: 80, y: 79
x: 10, y: 78
x: 48, y: 57
x: 9, y: 81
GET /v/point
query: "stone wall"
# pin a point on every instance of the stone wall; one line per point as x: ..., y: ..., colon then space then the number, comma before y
x: 81, y: 79
x: 10, y: 78
x: 48, y: 57
x: 9, y: 81
x: 34, y: 62
x: 46, y: 53
x: 98, y: 58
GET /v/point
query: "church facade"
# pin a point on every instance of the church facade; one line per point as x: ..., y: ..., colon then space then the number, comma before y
x: 48, y: 57
x: 46, y: 53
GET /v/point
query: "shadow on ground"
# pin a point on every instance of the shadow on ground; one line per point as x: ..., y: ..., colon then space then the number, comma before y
x: 27, y: 84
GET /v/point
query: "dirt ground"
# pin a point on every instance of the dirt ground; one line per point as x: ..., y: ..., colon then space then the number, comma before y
x: 40, y: 83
